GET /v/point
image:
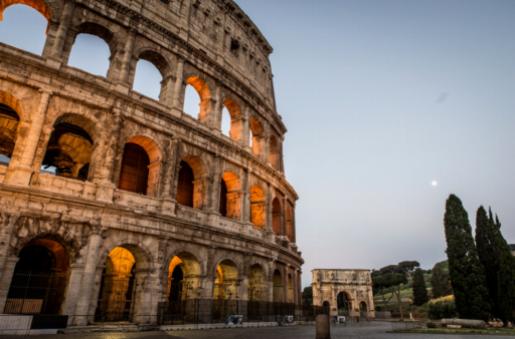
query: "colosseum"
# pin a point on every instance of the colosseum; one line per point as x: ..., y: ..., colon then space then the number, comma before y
x: 119, y: 207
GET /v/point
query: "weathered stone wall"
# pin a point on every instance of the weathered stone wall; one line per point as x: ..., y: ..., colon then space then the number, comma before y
x: 356, y: 284
x: 215, y: 43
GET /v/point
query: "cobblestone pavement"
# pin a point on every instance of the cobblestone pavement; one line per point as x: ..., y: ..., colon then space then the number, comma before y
x: 372, y: 330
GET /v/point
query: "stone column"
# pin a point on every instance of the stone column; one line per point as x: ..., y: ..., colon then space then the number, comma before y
x: 73, y: 291
x: 245, y: 215
x: 168, y: 173
x: 126, y: 59
x: 56, y: 34
x: 179, y: 88
x: 166, y: 96
x: 216, y: 113
x: 21, y: 167
x: 216, y: 177
x: 87, y: 284
x: 5, y: 279
x: 266, y: 142
x: 245, y: 128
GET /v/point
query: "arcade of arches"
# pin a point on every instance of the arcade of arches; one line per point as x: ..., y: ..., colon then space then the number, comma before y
x: 344, y: 292
x: 116, y: 206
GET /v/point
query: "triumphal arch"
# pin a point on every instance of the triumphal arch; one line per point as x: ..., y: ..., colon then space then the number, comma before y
x: 116, y: 206
x: 344, y: 292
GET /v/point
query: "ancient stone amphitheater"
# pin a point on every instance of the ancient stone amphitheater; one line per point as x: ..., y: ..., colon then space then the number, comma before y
x: 119, y: 207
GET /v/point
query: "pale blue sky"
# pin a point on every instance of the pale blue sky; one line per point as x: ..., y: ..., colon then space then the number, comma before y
x: 380, y: 98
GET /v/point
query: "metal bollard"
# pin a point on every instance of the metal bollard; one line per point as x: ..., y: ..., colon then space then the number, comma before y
x: 323, y: 328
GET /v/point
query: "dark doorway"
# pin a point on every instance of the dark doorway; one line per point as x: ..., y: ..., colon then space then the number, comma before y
x: 185, y: 185
x: 134, y: 171
x: 343, y: 304
x: 223, y: 198
x: 39, y: 279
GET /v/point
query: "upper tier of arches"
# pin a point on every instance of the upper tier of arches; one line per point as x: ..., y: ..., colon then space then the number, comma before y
x: 122, y: 52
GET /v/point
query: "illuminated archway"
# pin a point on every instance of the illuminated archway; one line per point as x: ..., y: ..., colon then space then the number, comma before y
x: 70, y: 147
x: 230, y: 195
x: 232, y: 110
x: 199, y: 108
x: 9, y: 121
x: 277, y: 216
x: 190, y: 187
x: 225, y: 289
x: 257, y: 206
x: 256, y: 136
x: 274, y: 155
x: 278, y: 287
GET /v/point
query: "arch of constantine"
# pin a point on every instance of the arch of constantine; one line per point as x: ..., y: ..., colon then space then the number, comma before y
x: 119, y: 207
x: 344, y: 292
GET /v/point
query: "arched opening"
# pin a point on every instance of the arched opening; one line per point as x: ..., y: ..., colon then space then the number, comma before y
x: 185, y: 185
x: 134, y: 170
x: 225, y: 290
x: 69, y: 148
x: 277, y: 217
x: 31, y: 34
x: 40, y: 279
x: 343, y: 304
x: 91, y: 40
x: 291, y: 289
x: 230, y: 196
x: 197, y: 99
x: 115, y: 299
x: 232, y: 122
x: 257, y: 207
x: 150, y: 71
x: 326, y: 307
x: 226, y: 122
x: 290, y: 230
x: 363, y: 310
x: 256, y: 136
x: 141, y: 162
x: 183, y: 282
x: 147, y: 79
x: 274, y: 155
x: 9, y: 121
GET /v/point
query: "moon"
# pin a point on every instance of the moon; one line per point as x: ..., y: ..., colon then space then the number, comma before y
x: 434, y: 183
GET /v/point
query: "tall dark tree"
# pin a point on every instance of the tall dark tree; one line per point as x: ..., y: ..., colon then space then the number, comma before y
x: 495, y: 255
x: 440, y: 280
x: 419, y: 288
x: 465, y: 269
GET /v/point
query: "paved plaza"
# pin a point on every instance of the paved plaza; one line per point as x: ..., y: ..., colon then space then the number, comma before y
x: 372, y: 330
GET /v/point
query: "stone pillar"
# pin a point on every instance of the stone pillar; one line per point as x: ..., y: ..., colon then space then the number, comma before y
x: 166, y: 96
x: 266, y: 142
x: 21, y: 167
x: 56, y: 33
x: 179, y: 88
x: 5, y: 279
x: 126, y: 60
x: 73, y: 292
x: 87, y: 284
x: 168, y: 178
x: 245, y: 215
x: 216, y: 177
x: 245, y: 128
x: 216, y: 113
x: 268, y: 210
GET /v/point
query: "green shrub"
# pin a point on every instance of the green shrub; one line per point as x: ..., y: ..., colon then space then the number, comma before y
x: 442, y: 309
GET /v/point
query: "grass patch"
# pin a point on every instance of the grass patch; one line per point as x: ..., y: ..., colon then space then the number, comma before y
x: 487, y: 331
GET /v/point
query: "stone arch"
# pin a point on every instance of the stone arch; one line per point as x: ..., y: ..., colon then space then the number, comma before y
x: 363, y: 309
x: 277, y: 216
x: 183, y: 278
x: 190, y: 185
x: 256, y: 138
x: 290, y: 293
x: 159, y: 62
x: 43, y: 7
x: 236, y: 118
x: 123, y: 276
x: 326, y: 307
x: 70, y: 147
x: 99, y: 31
x: 230, y: 195
x: 344, y: 303
x: 204, y: 92
x: 141, y: 163
x: 257, y: 206
x: 226, y: 282
x: 274, y: 153
x: 40, y: 277
x: 9, y: 122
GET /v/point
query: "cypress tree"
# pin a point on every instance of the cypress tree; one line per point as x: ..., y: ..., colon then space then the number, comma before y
x: 419, y: 288
x: 465, y: 269
x: 505, y: 276
x: 488, y: 255
x: 440, y: 280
